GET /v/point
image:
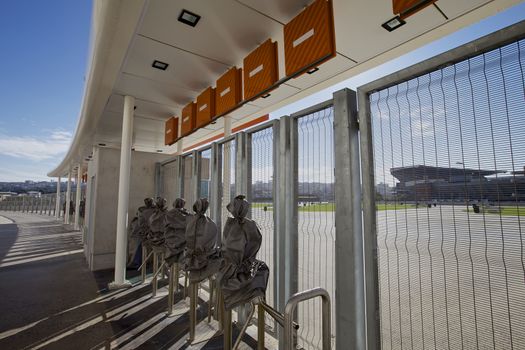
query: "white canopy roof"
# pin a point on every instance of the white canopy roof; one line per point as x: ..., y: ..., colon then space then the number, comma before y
x: 128, y: 35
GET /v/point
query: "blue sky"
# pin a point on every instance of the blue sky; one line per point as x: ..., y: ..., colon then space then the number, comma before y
x: 42, y: 65
x: 43, y: 62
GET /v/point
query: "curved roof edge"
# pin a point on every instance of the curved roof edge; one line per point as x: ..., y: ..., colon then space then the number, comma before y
x: 113, y: 26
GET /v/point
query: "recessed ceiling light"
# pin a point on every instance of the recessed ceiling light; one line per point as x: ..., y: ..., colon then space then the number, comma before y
x: 159, y: 65
x: 189, y: 18
x: 159, y: 151
x: 312, y: 71
x: 266, y: 95
x: 101, y: 144
x: 393, y: 24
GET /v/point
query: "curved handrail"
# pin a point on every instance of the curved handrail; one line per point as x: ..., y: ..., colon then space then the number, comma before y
x: 289, y: 313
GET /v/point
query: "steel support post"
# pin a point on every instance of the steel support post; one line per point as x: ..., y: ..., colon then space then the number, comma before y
x: 241, y: 187
x: 121, y: 249
x: 369, y: 225
x: 285, y: 213
x: 215, y: 186
x: 159, y: 179
x: 349, y: 261
x: 195, y: 177
x: 77, y: 197
x: 68, y: 197
x: 179, y: 186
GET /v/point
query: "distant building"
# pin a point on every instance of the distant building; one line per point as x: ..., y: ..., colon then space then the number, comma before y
x: 4, y: 195
x: 428, y: 183
x: 34, y: 193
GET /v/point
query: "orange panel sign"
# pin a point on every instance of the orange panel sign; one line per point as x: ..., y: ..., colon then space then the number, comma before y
x: 171, y: 131
x: 309, y: 38
x: 205, y: 107
x: 260, y: 69
x: 188, y: 119
x: 228, y: 93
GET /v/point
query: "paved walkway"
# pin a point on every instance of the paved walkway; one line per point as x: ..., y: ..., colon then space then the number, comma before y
x: 49, y: 298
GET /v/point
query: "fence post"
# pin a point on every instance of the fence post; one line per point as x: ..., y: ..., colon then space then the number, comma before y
x: 286, y: 244
x: 159, y: 180
x: 195, y: 175
x: 369, y: 223
x: 241, y: 187
x: 215, y: 186
x: 349, y: 259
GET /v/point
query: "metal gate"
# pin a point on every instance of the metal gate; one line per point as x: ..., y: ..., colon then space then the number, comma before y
x: 443, y: 160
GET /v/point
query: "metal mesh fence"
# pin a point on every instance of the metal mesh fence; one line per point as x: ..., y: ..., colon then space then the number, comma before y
x: 449, y: 150
x: 262, y: 199
x: 316, y: 210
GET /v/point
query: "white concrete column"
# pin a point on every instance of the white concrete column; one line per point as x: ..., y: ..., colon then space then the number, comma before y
x: 77, y: 201
x: 57, y: 202
x: 123, y: 195
x: 180, y: 147
x: 68, y: 197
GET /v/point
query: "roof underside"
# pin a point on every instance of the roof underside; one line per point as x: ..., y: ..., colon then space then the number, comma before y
x: 128, y: 35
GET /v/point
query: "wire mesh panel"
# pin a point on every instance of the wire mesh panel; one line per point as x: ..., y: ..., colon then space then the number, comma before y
x: 170, y: 181
x: 316, y: 215
x: 449, y: 150
x: 228, y: 161
x: 261, y: 194
x: 187, y: 192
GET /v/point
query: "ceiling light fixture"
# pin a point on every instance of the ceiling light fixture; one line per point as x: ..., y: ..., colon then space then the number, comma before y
x: 393, y: 24
x: 265, y: 95
x: 102, y: 144
x: 159, y: 151
x: 159, y: 65
x: 189, y: 18
x: 312, y: 71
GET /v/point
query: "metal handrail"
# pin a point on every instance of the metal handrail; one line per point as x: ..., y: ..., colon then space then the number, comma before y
x: 289, y: 314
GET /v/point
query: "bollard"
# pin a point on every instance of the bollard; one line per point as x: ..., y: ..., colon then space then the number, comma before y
x: 171, y: 283
x: 144, y: 265
x: 193, y: 311
x: 154, y: 279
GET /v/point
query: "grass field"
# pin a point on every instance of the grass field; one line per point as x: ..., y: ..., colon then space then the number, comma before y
x: 328, y: 207
x: 505, y: 211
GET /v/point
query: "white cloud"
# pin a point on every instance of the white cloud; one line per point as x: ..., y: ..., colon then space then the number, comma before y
x: 32, y: 148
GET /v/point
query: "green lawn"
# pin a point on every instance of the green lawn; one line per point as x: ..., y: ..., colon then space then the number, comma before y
x: 505, y: 211
x: 329, y: 207
x: 392, y: 206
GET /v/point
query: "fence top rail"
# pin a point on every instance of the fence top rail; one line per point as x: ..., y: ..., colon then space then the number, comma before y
x: 474, y: 48
x: 313, y: 109
x: 266, y: 125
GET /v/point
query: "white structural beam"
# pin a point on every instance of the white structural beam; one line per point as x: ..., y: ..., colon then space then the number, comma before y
x: 68, y: 197
x: 123, y: 194
x: 77, y: 201
x: 57, y: 202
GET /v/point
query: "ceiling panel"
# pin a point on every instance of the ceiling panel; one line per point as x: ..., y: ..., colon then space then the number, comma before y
x: 144, y: 108
x: 227, y: 31
x: 276, y: 95
x: 185, y: 70
x: 154, y: 91
x: 280, y: 10
x: 454, y: 8
x: 326, y: 70
x: 359, y: 34
x: 244, y: 111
